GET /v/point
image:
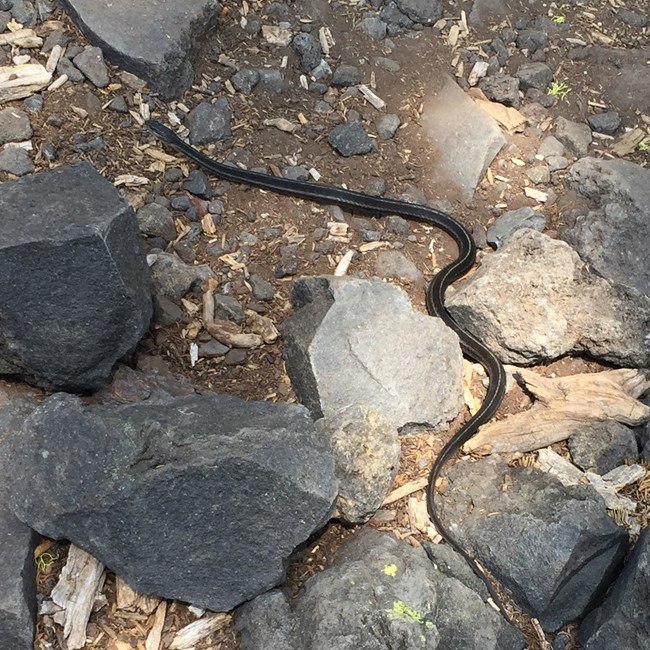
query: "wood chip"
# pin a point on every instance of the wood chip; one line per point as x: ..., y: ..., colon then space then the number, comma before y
x: 187, y: 637
x: 372, y: 246
x: 326, y: 40
x: 263, y: 326
x: 419, y: 519
x: 376, y: 101
x: 454, y: 33
x: 159, y: 154
x: 79, y: 583
x: 282, y: 124
x: 20, y: 81
x: 277, y: 35
x: 344, y: 263
x: 229, y: 334
x: 405, y: 490
x: 207, y: 225
x: 130, y: 180
x: 21, y: 38
x: 564, y: 405
x: 628, y: 142
x: 128, y: 598
x: 538, y: 195
x: 155, y: 633
x: 53, y: 59
x: 507, y: 116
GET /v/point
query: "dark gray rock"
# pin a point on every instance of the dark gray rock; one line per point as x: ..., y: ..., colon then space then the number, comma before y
x: 397, y: 21
x: 346, y: 75
x: 173, y: 278
x: 219, y: 490
x: 574, y: 136
x: 606, y: 122
x: 161, y: 50
x: 48, y: 151
x: 17, y: 541
x: 198, y: 184
x: 390, y: 65
x: 165, y: 312
x: 271, y: 81
x: 212, y: 349
x: 604, y: 446
x: 91, y: 63
x: 209, y: 122
x: 228, y: 308
x: 501, y: 88
x: 387, y: 126
x: 157, y: 221
x: 614, y: 238
x: 24, y: 12
x: 632, y: 18
x: 567, y: 308
x: 309, y: 51
x: 14, y: 126
x: 16, y: 161
x: 180, y: 203
x: 341, y: 326
x: 66, y: 67
x: 262, y: 290
x: 245, y: 80
x: 552, y: 547
x: 485, y: 11
x: 350, y: 139
x: 531, y: 40
x: 65, y: 330
x: 118, y: 104
x: 425, y: 12
x: 623, y: 620
x: 288, y: 263
x: 397, y: 225
x: 366, y: 457
x: 34, y: 104
x: 374, y: 26
x: 463, y: 139
x: 5, y: 19
x: 378, y: 593
x: 534, y: 75
x: 296, y: 173
x: 501, y: 51
x: 18, y: 579
x: 509, y: 222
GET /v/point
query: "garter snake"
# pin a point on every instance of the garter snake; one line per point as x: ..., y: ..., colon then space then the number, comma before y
x: 377, y: 206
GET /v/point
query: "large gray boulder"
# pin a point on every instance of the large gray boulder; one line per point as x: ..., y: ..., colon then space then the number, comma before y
x: 535, y: 300
x: 378, y: 593
x: 201, y: 498
x: 154, y: 39
x: 552, y: 547
x: 614, y: 238
x: 623, y: 620
x: 359, y: 342
x: 76, y: 295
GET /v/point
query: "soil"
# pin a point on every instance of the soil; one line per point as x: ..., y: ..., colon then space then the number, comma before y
x: 603, y: 79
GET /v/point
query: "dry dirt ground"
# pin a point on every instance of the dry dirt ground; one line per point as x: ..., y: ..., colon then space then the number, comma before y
x: 403, y: 164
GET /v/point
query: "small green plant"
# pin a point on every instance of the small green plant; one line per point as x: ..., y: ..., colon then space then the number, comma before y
x: 559, y: 89
x: 643, y: 146
x: 558, y: 20
x: 45, y: 560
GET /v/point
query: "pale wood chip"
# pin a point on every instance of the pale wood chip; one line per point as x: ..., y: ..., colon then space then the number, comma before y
x: 20, y: 81
x: 282, y: 124
x: 229, y: 334
x: 507, y: 116
x: 563, y: 406
x: 276, y: 35
x: 263, y: 326
x: 21, y: 38
x: 188, y: 636
x: 405, y: 490
x: 80, y: 581
x: 628, y: 142
x: 130, y: 180
x: 344, y: 263
x: 374, y: 99
x: 155, y: 633
x: 538, y: 195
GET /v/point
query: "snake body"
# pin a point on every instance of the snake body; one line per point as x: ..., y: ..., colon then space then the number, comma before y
x: 377, y: 206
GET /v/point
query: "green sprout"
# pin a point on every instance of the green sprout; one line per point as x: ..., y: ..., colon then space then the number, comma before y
x: 559, y: 89
x: 558, y: 20
x: 643, y: 146
x: 45, y: 561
